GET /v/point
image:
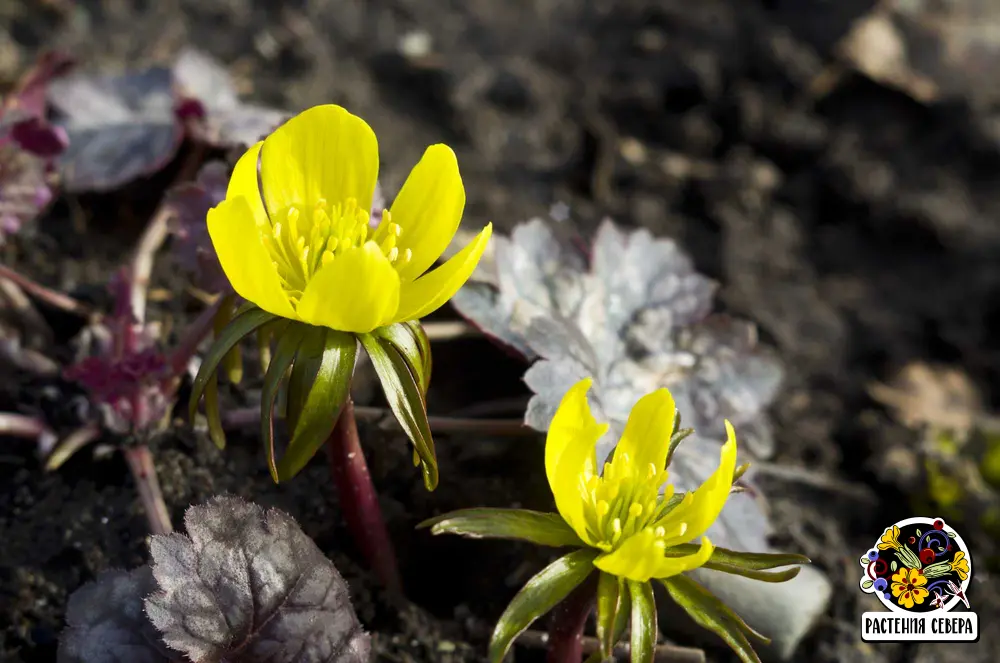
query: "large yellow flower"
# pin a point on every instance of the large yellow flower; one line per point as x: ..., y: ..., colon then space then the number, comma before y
x: 622, y: 511
x: 908, y: 587
x: 293, y: 233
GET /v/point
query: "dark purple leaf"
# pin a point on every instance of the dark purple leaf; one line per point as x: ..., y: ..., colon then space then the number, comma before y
x: 120, y: 127
x: 39, y: 137
x: 248, y: 586
x: 106, y: 622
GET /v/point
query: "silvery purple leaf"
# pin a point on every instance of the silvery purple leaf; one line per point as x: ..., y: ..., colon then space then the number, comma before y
x: 246, y: 585
x: 635, y: 316
x: 222, y: 119
x: 120, y: 127
x: 477, y: 302
x: 106, y: 622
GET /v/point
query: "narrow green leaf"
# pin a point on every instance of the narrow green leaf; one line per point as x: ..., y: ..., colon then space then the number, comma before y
x: 710, y: 613
x: 284, y: 356
x: 676, y: 437
x: 542, y: 593
x: 643, y: 621
x: 867, y: 584
x: 411, y: 342
x: 609, y: 604
x: 424, y: 344
x: 543, y: 529
x: 320, y: 390
x: 212, y: 414
x: 243, y: 308
x: 740, y: 471
x: 307, y: 364
x: 264, y: 347
x: 747, y: 564
x: 232, y: 363
x: 406, y: 399
x: 233, y: 333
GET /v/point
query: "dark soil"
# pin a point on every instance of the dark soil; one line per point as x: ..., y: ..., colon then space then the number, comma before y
x: 858, y: 229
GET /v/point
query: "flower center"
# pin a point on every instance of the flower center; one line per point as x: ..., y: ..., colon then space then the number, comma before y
x: 625, y: 500
x: 301, y: 240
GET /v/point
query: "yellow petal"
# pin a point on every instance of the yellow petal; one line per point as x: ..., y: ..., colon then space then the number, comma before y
x: 570, y: 454
x: 246, y: 262
x: 646, y: 438
x: 356, y: 292
x: 705, y: 504
x: 428, y: 209
x: 323, y: 152
x: 243, y: 182
x: 640, y: 558
x: 431, y: 291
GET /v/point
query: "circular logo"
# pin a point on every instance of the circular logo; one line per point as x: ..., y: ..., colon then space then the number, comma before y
x: 918, y: 565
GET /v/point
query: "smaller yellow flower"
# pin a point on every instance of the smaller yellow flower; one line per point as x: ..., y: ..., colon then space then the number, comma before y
x: 622, y: 511
x: 890, y: 539
x: 628, y: 529
x: 908, y: 587
x: 960, y: 565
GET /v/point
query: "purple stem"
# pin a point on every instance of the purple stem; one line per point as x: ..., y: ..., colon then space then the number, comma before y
x: 359, y: 501
x: 48, y: 295
x: 140, y: 462
x: 568, y: 620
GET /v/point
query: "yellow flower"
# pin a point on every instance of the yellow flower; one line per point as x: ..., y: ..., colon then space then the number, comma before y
x: 960, y: 565
x: 889, y: 539
x: 297, y: 243
x: 621, y: 511
x: 626, y: 527
x: 908, y: 587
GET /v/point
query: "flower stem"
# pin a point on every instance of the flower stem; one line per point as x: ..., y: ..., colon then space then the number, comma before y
x: 568, y: 620
x: 359, y: 501
x: 140, y: 463
x: 384, y: 418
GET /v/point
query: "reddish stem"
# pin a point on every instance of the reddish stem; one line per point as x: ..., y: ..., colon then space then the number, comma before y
x: 359, y: 501
x: 140, y: 462
x: 568, y: 620
x: 52, y: 297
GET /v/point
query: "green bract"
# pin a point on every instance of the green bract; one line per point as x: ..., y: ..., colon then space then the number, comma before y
x: 315, y: 365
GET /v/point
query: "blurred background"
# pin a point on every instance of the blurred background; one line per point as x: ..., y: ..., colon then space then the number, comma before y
x: 835, y: 165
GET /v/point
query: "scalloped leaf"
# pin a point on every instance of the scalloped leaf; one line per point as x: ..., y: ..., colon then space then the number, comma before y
x: 106, y: 622
x: 246, y: 585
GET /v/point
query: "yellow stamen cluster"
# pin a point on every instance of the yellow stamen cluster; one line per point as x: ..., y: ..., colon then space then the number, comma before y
x: 625, y: 500
x: 301, y: 241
